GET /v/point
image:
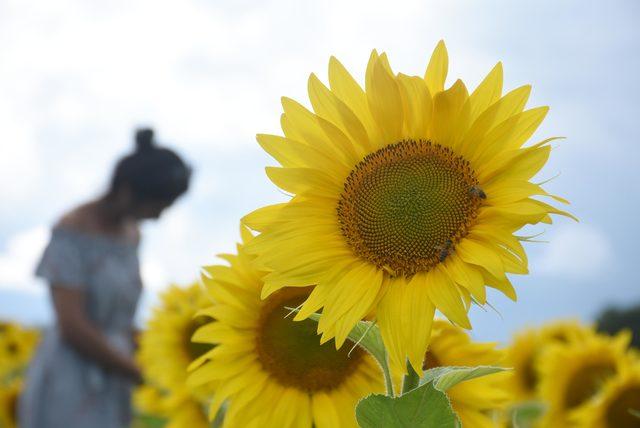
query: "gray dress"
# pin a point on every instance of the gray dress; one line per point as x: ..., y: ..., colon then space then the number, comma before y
x: 64, y: 389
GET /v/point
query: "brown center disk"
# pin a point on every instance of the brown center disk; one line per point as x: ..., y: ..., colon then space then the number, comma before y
x: 291, y: 352
x: 618, y: 415
x: 405, y: 206
x: 586, y: 382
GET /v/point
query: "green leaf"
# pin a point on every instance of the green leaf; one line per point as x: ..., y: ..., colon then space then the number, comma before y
x: 423, y: 407
x: 444, y: 378
x: 525, y: 415
x: 635, y: 413
x: 426, y: 406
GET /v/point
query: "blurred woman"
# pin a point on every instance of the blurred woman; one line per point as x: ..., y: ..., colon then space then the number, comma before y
x: 82, y: 373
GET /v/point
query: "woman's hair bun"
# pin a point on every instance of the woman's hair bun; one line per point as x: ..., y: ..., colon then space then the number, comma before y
x: 144, y: 140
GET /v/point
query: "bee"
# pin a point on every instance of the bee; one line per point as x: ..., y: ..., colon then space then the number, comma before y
x: 477, y: 192
x: 445, y: 250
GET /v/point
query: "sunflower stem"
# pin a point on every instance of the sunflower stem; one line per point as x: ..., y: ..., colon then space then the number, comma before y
x: 411, y: 379
x: 387, y: 379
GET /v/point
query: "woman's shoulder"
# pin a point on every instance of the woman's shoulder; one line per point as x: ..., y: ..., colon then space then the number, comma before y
x: 84, y: 220
x: 78, y: 219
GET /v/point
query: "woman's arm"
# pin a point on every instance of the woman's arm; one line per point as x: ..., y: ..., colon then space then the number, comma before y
x: 80, y: 333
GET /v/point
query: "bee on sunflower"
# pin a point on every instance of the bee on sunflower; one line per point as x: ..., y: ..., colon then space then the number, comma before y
x: 272, y: 371
x: 166, y: 350
x: 406, y: 198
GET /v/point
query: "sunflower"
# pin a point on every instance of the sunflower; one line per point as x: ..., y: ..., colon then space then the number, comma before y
x: 572, y: 374
x: 614, y: 406
x: 406, y: 198
x: 528, y: 345
x: 17, y: 345
x: 166, y: 349
x: 273, y: 371
x: 9, y: 403
x: 474, y: 401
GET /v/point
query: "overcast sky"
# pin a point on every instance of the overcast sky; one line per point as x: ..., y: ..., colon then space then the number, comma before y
x: 77, y: 76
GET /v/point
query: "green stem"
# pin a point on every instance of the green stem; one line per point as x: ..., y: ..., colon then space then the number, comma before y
x: 387, y: 379
x: 411, y: 379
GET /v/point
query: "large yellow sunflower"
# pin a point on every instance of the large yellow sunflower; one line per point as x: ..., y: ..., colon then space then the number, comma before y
x: 571, y: 374
x: 474, y: 401
x: 529, y: 344
x: 9, y: 403
x: 273, y: 371
x: 406, y: 198
x: 614, y: 406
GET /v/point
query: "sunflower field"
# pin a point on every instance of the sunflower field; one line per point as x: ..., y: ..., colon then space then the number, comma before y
x: 347, y: 305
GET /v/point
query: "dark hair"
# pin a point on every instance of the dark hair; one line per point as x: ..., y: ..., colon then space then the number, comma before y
x: 151, y: 172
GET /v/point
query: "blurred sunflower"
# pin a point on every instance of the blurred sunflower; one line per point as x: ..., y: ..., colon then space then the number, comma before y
x: 529, y: 344
x: 166, y: 349
x: 9, y: 403
x: 616, y: 403
x: 572, y: 374
x: 406, y: 198
x: 17, y: 345
x: 474, y: 401
x: 272, y: 370
x: 176, y: 410
x: 149, y: 401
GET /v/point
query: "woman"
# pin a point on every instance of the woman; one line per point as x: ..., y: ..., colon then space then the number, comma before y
x: 82, y: 373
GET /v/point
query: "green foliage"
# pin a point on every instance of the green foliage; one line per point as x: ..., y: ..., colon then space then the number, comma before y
x: 426, y: 406
x: 525, y: 415
x: 423, y: 407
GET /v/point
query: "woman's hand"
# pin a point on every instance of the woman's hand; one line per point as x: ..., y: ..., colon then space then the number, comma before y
x: 79, y: 332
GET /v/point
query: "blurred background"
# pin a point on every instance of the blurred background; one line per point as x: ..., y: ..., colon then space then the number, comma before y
x: 77, y: 76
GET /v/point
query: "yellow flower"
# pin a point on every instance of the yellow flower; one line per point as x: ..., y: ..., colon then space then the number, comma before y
x: 149, y: 400
x: 406, y: 198
x: 272, y: 370
x: 177, y: 409
x: 614, y: 405
x: 17, y: 345
x: 571, y: 374
x: 8, y: 403
x: 473, y: 400
x: 529, y: 344
x: 166, y: 349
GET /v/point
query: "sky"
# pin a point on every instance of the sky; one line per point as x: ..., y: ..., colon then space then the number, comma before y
x: 77, y: 76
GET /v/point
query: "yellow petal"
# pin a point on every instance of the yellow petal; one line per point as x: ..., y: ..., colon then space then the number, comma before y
x: 324, y: 412
x: 477, y: 254
x: 385, y: 104
x: 304, y: 180
x: 437, y: 69
x: 331, y: 108
x: 417, y: 106
x: 263, y: 217
x: 449, y: 117
x: 446, y: 298
x: 487, y: 92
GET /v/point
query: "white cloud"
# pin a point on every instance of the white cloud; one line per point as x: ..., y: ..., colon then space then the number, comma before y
x: 579, y: 251
x: 19, y: 258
